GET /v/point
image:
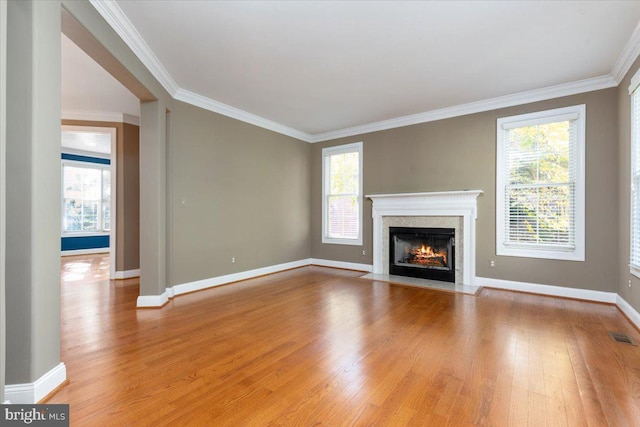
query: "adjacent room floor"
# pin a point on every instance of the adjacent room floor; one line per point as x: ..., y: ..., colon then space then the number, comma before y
x: 320, y: 346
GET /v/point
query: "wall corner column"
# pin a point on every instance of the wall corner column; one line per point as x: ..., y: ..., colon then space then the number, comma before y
x: 153, y: 205
x: 32, y: 281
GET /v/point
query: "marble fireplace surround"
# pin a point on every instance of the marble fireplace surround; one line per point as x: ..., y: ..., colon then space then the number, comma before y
x: 451, y: 209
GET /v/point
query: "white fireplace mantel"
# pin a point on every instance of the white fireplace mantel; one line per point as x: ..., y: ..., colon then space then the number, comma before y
x: 443, y: 203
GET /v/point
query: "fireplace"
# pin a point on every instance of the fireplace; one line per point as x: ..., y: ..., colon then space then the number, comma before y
x: 450, y: 209
x: 427, y: 253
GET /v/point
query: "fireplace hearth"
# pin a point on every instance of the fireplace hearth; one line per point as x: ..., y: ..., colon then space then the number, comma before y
x: 427, y: 253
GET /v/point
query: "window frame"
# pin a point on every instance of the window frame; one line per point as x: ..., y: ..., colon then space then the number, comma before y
x: 634, y: 191
x: 86, y: 165
x: 356, y: 147
x: 577, y: 253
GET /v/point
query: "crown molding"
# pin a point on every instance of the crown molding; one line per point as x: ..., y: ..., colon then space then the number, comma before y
x: 557, y: 91
x: 627, y: 57
x: 130, y: 119
x: 116, y: 18
x: 99, y: 116
x: 238, y: 114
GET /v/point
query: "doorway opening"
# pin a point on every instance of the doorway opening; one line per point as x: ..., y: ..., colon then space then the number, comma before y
x: 89, y: 213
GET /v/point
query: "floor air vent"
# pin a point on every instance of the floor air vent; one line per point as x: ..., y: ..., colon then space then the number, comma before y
x: 622, y: 338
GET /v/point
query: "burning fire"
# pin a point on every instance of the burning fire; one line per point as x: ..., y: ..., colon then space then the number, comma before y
x: 425, y: 255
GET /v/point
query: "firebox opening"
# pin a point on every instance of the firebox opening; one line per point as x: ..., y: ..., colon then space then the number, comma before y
x: 427, y: 253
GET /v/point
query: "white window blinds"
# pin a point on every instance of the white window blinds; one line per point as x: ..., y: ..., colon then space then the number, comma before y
x: 635, y: 180
x: 540, y: 190
x: 540, y: 209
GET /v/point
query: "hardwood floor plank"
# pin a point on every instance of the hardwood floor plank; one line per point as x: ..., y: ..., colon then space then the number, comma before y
x: 319, y: 346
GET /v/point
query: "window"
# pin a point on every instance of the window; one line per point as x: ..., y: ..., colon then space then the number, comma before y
x: 86, y: 198
x: 540, y: 184
x: 342, y: 194
x: 634, y: 90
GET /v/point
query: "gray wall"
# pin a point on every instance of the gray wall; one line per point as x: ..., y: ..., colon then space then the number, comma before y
x: 460, y: 153
x: 33, y: 190
x: 245, y: 192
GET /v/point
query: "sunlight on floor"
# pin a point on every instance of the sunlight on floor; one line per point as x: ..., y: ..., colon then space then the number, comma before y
x: 85, y: 268
x: 75, y: 271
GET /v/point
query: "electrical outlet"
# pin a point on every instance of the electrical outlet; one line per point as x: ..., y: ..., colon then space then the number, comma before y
x: 629, y: 282
x: 492, y: 263
x: 233, y: 260
x: 364, y: 252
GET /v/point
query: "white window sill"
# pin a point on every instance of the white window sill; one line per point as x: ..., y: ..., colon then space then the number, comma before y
x: 634, y: 271
x: 352, y: 242
x: 562, y: 255
x: 87, y: 234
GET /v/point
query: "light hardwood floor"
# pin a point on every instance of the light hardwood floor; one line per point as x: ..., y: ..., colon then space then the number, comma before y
x: 318, y: 346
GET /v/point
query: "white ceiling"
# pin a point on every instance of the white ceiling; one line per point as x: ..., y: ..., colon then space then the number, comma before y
x: 84, y: 140
x: 88, y: 88
x: 323, y: 69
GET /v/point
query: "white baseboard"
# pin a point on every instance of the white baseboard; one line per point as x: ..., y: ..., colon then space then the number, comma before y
x: 235, y: 277
x: 170, y: 292
x: 85, y: 251
x: 31, y: 393
x: 628, y: 310
x: 558, y: 291
x: 341, y: 264
x: 127, y: 274
x: 145, y: 301
x: 151, y: 301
